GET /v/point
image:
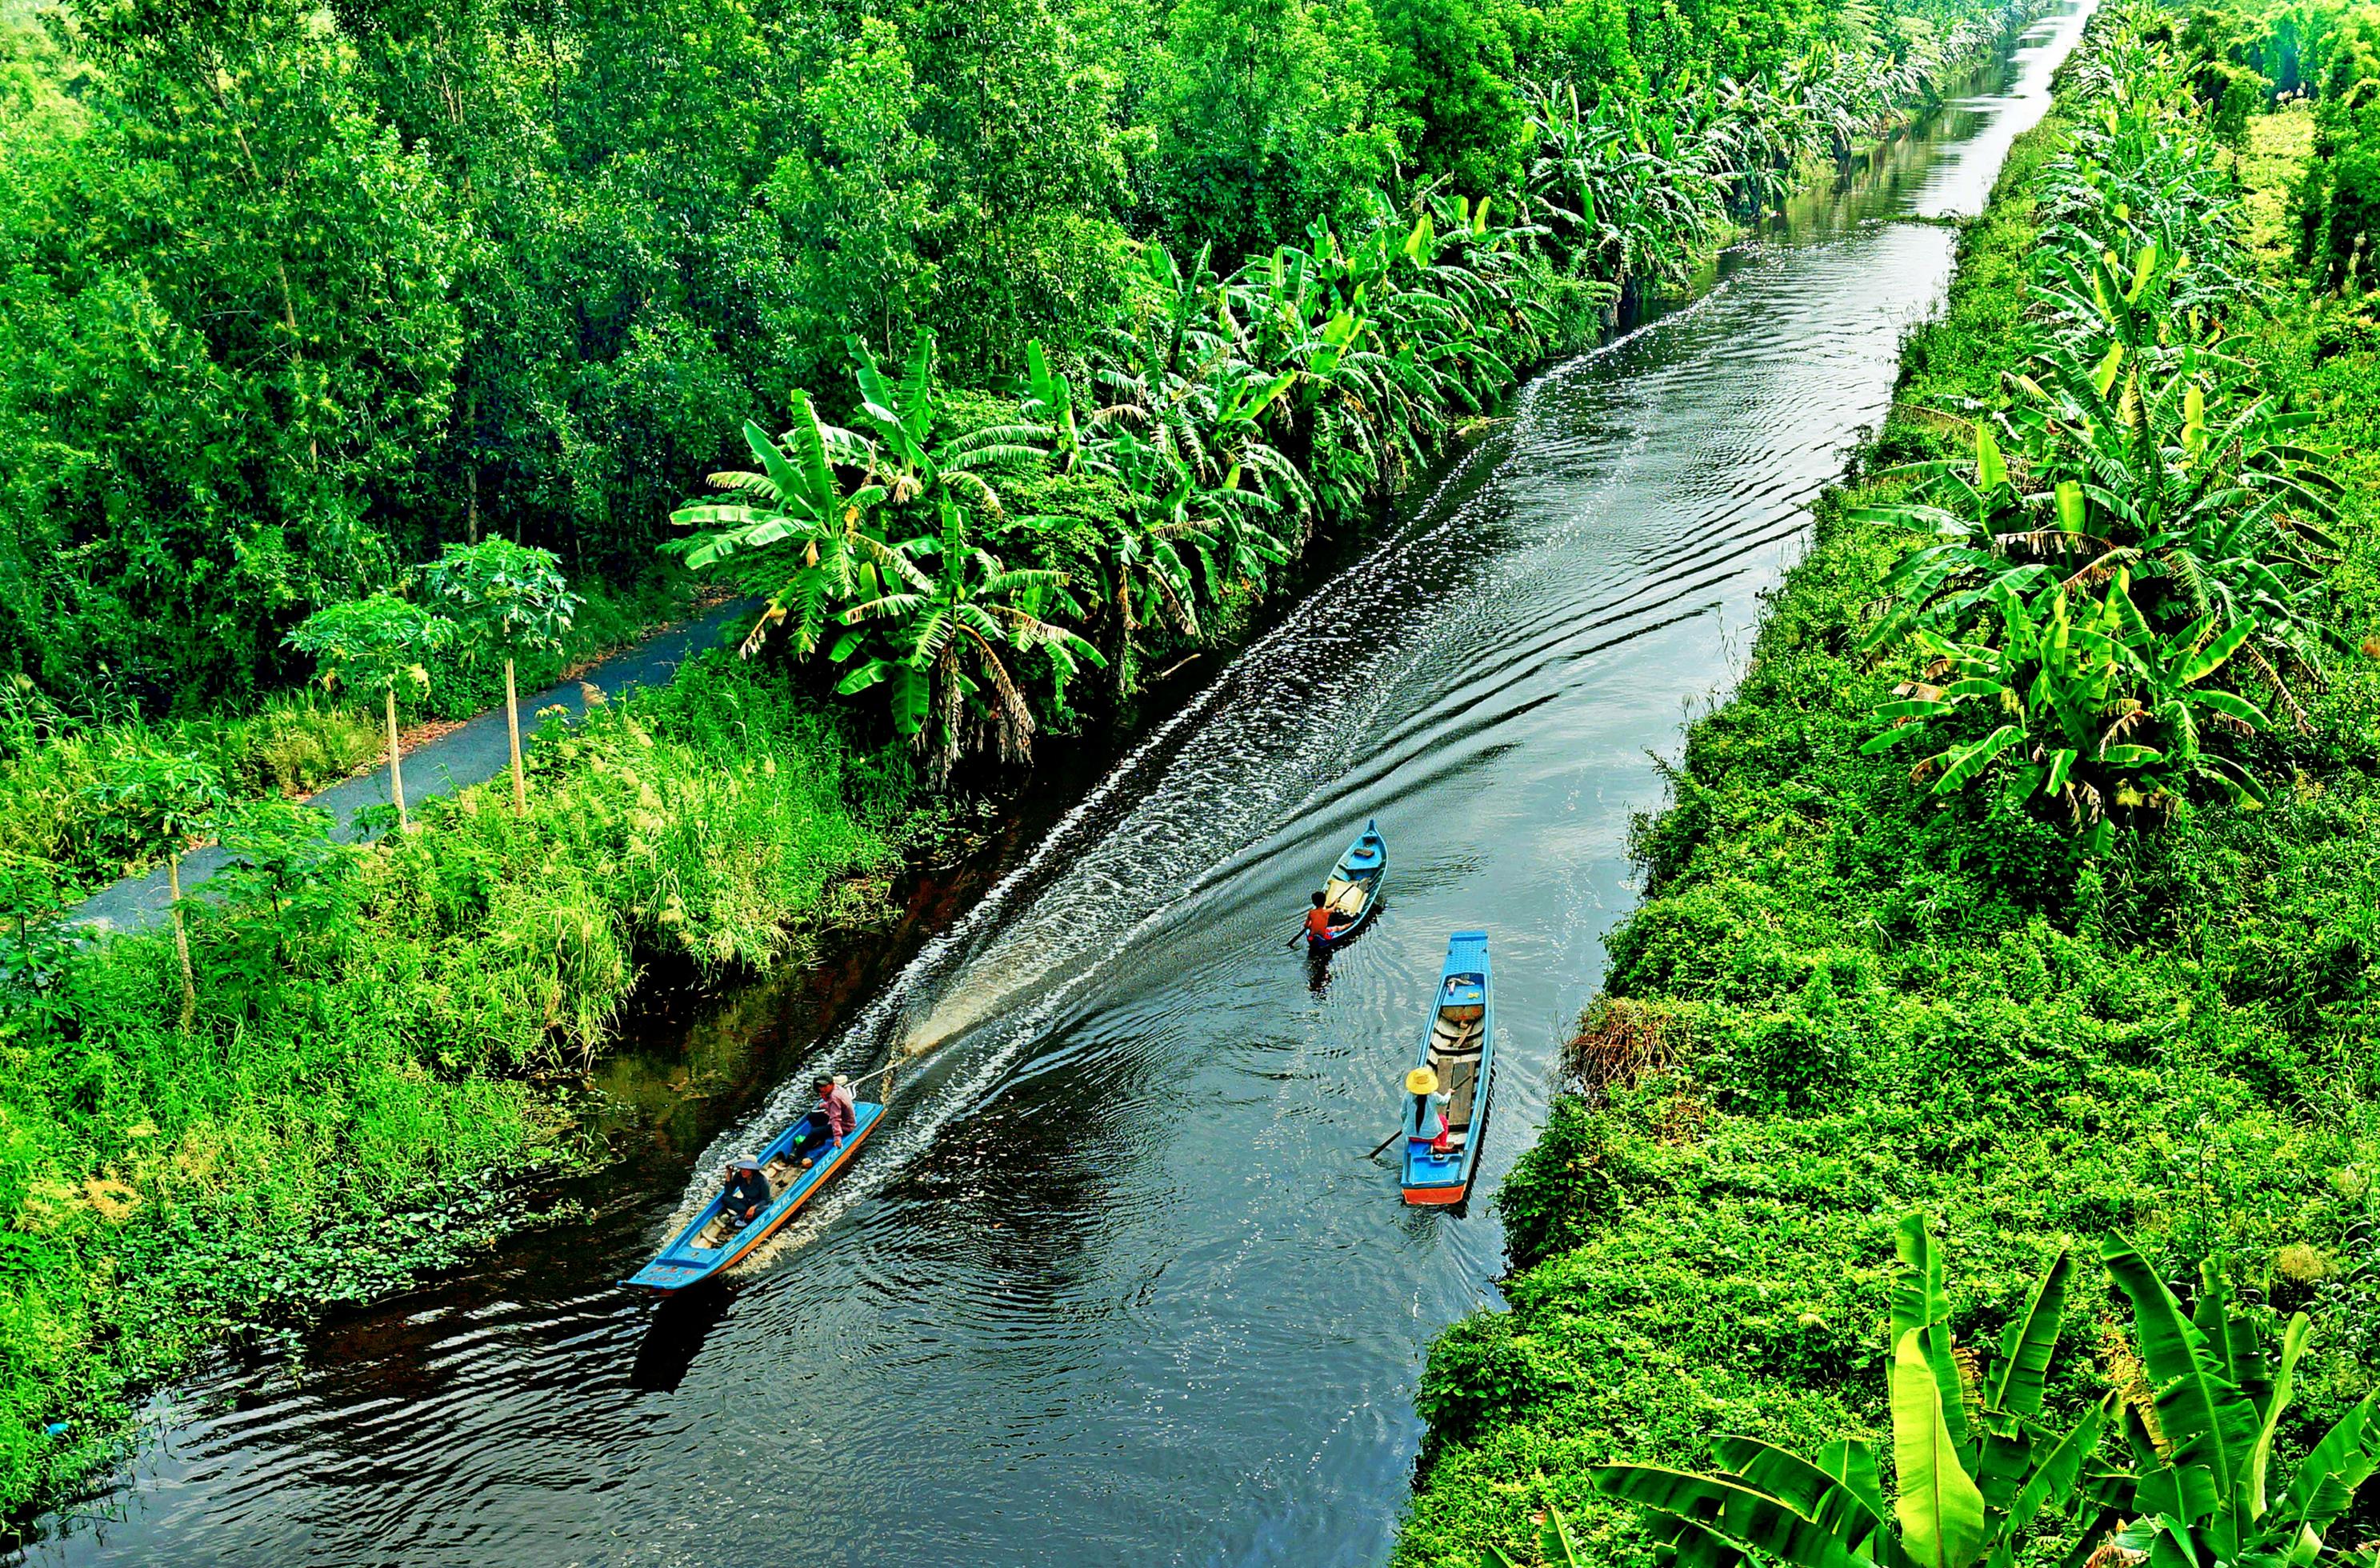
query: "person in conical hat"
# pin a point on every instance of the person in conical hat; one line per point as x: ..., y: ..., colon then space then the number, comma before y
x: 748, y: 1191
x: 1422, y: 1085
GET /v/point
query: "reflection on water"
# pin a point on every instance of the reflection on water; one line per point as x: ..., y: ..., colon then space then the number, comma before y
x: 1116, y: 1282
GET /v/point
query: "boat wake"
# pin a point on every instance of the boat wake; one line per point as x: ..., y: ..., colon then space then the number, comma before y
x: 1220, y: 787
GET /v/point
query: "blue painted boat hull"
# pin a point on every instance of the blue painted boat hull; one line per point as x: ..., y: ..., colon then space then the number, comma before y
x: 686, y: 1261
x: 1358, y: 873
x: 1458, y: 1045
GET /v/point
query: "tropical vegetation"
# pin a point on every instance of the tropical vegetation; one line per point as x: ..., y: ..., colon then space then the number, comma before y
x: 2021, y: 891
x: 357, y: 366
x: 335, y: 1070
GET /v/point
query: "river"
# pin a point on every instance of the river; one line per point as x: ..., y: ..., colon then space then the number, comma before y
x: 1116, y: 1283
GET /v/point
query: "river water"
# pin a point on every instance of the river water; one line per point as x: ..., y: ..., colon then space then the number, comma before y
x: 1116, y: 1282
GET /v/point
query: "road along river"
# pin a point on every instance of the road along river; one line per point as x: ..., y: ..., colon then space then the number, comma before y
x: 1115, y: 1285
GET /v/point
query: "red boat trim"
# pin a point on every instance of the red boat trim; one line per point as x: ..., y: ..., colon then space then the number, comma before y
x: 1436, y: 1196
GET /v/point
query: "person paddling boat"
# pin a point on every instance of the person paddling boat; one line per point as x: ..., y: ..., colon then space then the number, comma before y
x: 1318, y: 925
x: 1348, y: 897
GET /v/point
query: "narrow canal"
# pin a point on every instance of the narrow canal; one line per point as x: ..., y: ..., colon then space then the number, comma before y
x: 1116, y: 1283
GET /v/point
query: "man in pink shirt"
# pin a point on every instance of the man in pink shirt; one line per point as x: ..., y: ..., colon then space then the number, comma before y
x: 831, y: 1120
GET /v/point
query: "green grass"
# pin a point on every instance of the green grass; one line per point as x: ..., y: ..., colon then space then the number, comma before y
x: 296, y: 743
x: 374, y: 1038
x: 1842, y: 999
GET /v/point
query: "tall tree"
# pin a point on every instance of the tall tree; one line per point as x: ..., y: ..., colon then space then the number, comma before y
x: 230, y: 323
x: 1269, y: 116
x: 1031, y: 173
x: 854, y: 212
x: 1449, y: 69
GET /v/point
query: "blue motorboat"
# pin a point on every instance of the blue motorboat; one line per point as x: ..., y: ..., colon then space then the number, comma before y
x: 1353, y: 888
x: 1446, y: 1106
x: 714, y: 1241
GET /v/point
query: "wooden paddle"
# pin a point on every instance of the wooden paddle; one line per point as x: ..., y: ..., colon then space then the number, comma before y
x: 1384, y: 1143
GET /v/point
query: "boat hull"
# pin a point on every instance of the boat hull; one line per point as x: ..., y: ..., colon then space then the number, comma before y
x: 1459, y: 1047
x: 683, y: 1264
x: 1365, y: 865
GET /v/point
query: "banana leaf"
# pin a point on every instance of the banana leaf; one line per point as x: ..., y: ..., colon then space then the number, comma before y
x: 2031, y: 1338
x: 1730, y: 1509
x: 2208, y: 1421
x: 1941, y: 1511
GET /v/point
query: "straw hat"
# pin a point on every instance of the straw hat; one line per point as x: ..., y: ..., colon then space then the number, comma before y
x: 1421, y: 1080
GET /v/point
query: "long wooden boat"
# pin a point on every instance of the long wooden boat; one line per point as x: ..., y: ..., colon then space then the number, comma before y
x: 712, y: 1244
x: 1352, y: 890
x: 1453, y: 1076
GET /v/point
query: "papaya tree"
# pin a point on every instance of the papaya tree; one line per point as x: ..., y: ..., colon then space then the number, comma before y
x: 176, y: 800
x: 507, y: 600
x: 375, y: 645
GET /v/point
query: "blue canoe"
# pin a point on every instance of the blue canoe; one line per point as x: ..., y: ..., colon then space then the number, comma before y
x: 1352, y: 890
x: 1459, y: 1050
x: 709, y: 1244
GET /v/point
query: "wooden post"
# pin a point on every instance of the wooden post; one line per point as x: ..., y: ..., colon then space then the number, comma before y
x: 512, y: 722
x: 395, y: 770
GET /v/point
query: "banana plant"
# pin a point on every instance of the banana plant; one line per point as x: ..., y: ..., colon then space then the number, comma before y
x: 2102, y: 710
x: 797, y: 538
x: 2195, y: 486
x: 1236, y: 416
x: 1557, y: 1545
x: 944, y: 673
x: 1049, y: 402
x: 1974, y: 1465
x: 1976, y: 524
x: 1638, y: 200
x: 900, y: 416
x: 2204, y: 1491
x: 1234, y: 541
x: 1152, y: 363
x: 1141, y: 545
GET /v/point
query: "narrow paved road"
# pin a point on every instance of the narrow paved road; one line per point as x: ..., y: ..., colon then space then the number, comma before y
x: 472, y: 754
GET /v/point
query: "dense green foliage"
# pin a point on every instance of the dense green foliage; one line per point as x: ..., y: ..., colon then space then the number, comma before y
x: 296, y: 297
x: 1975, y: 1467
x: 362, y: 1048
x: 1225, y: 416
x: 2140, y: 570
x: 319, y: 324
x: 1848, y: 996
